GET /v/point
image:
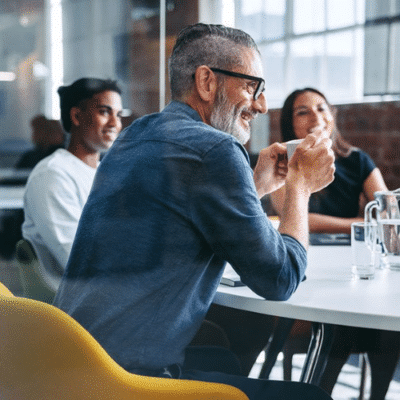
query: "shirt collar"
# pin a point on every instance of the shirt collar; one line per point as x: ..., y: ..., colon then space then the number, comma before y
x: 179, y: 107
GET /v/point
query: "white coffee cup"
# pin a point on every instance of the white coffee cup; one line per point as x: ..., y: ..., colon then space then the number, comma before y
x: 291, y: 146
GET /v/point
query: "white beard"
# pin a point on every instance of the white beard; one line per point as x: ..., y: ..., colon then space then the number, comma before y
x: 225, y: 117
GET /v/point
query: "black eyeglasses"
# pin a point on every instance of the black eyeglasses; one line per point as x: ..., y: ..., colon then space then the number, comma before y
x: 260, y: 81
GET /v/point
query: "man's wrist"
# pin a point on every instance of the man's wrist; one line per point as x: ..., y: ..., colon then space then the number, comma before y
x: 261, y: 192
x: 296, y: 187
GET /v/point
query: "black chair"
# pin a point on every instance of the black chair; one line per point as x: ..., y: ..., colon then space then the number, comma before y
x: 291, y: 337
x: 34, y: 286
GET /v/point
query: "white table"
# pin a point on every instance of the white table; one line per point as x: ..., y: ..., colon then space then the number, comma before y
x: 329, y: 296
x: 14, y: 173
x: 11, y: 197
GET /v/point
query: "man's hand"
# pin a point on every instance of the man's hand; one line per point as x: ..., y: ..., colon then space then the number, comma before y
x: 312, y: 164
x: 271, y: 169
x: 311, y: 168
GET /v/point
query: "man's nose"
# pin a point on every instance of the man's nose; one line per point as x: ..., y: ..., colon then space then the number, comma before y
x: 261, y: 104
x: 114, y: 120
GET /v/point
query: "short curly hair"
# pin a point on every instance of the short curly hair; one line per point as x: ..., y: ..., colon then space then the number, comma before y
x: 79, y: 91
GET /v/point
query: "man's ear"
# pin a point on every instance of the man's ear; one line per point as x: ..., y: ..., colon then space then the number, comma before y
x: 205, y: 83
x: 75, y: 115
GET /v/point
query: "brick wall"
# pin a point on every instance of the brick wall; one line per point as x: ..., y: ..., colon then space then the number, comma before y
x: 373, y: 127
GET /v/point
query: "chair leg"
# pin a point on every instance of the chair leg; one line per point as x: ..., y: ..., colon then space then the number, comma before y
x: 363, y: 377
x: 318, y: 353
x: 287, y: 366
x: 275, y: 345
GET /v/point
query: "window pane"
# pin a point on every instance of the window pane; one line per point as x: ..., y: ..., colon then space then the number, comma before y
x: 250, y: 7
x: 377, y: 9
x: 376, y: 44
x: 339, y: 62
x: 394, y: 63
x: 340, y: 13
x: 396, y: 7
x: 274, y: 19
x: 360, y: 11
x: 273, y: 57
x: 262, y: 19
x: 306, y: 58
x: 308, y: 16
x: 22, y: 77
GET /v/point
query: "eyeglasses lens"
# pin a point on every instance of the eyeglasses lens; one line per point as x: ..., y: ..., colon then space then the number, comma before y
x: 260, y: 89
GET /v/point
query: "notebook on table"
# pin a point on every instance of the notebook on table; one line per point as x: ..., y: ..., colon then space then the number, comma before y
x: 330, y: 239
x: 230, y: 277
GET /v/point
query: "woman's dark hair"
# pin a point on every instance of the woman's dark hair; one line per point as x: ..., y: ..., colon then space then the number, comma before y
x: 340, y: 146
x: 79, y: 91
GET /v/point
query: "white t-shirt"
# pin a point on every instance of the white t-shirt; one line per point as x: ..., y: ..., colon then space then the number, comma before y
x: 56, y: 191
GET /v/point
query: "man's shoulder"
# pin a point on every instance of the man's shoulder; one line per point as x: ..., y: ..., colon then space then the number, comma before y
x: 356, y: 159
x: 59, y: 163
x: 179, y: 125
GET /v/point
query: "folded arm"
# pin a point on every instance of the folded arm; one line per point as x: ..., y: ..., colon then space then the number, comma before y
x: 228, y: 212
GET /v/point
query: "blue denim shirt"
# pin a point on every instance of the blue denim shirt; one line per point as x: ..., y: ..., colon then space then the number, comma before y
x: 172, y: 201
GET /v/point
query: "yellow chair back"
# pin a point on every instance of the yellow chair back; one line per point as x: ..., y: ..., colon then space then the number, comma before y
x: 46, y: 354
x: 4, y: 291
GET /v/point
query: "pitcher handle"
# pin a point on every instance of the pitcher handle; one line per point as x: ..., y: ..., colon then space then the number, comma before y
x: 369, y: 218
x: 368, y: 211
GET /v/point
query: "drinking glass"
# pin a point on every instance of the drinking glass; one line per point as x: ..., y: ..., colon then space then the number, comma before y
x: 363, y: 242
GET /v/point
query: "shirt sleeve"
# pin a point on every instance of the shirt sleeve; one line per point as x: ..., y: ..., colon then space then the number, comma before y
x: 226, y: 208
x: 54, y: 206
x: 366, y: 164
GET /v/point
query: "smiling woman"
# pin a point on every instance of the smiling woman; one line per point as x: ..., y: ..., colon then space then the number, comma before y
x: 332, y: 210
x: 311, y: 114
x: 307, y: 111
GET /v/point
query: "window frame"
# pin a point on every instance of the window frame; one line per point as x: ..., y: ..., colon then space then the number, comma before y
x: 358, y: 91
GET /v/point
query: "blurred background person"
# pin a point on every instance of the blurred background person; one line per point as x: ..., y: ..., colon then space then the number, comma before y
x: 334, y: 208
x: 47, y: 136
x: 59, y: 185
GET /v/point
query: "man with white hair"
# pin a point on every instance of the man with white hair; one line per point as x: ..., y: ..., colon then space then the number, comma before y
x: 175, y: 199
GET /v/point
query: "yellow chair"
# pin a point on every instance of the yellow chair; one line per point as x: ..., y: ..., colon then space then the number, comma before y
x: 46, y: 354
x: 34, y: 287
x: 4, y: 291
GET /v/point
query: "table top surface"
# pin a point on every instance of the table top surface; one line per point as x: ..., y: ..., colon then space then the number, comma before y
x: 11, y: 197
x: 15, y: 172
x: 330, y: 294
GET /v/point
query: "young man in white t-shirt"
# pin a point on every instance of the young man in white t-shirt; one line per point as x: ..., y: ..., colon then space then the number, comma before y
x: 58, y: 187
